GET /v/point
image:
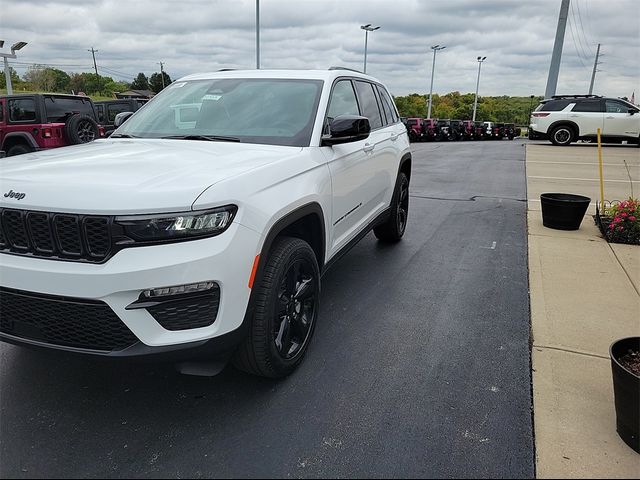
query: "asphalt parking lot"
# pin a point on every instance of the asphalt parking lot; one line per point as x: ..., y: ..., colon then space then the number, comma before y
x: 420, y: 364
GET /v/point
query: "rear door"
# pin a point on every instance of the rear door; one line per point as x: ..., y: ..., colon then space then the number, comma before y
x: 618, y: 122
x: 588, y: 115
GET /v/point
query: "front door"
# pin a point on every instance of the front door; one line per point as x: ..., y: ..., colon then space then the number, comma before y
x: 618, y: 122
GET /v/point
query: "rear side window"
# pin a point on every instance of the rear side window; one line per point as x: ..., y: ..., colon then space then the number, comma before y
x: 387, y: 105
x: 555, y: 105
x: 369, y: 104
x: 117, y: 108
x: 343, y: 100
x: 22, y: 110
x: 60, y: 108
x: 100, y: 112
x: 588, y: 106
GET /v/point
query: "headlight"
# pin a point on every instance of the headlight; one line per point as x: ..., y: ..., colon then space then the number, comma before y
x: 177, y: 226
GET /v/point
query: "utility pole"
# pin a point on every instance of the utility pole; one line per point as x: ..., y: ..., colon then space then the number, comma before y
x: 162, y: 73
x: 554, y: 69
x: 593, y: 75
x: 93, y: 52
x: 258, y: 34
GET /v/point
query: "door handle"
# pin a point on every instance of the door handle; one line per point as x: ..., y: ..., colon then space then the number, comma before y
x: 394, y: 137
x: 368, y: 147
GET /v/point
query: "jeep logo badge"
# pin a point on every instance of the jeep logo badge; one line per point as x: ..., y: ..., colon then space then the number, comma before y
x: 16, y: 195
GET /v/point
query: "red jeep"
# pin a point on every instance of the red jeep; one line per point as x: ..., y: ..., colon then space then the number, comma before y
x: 468, y: 129
x: 34, y: 122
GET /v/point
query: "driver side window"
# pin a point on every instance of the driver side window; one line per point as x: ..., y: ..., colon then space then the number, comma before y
x: 616, y: 107
x: 343, y: 100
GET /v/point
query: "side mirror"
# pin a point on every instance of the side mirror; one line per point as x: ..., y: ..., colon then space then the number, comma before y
x: 121, y: 118
x: 345, y: 129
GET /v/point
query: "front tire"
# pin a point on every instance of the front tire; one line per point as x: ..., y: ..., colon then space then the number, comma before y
x: 393, y: 229
x: 286, y: 307
x: 562, y: 135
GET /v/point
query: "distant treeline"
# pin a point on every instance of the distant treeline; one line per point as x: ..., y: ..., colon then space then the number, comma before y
x: 459, y: 106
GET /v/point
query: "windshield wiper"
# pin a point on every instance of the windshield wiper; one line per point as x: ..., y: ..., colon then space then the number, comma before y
x: 209, y: 138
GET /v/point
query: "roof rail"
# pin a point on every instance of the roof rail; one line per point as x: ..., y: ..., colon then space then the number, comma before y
x: 227, y: 69
x: 345, y: 68
x: 576, y: 96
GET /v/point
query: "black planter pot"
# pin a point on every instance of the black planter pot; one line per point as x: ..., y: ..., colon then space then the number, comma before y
x: 563, y: 211
x: 626, y: 391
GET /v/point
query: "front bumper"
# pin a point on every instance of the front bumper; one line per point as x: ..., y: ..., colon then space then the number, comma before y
x: 226, y: 260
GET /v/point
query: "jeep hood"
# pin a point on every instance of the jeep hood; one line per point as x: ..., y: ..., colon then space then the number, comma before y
x: 125, y: 176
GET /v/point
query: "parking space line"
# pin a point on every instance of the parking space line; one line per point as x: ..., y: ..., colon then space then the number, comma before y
x: 583, y: 179
x: 577, y: 163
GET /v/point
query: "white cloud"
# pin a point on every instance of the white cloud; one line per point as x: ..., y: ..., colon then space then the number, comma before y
x: 198, y: 35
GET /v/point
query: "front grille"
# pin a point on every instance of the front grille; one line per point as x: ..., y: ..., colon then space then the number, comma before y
x: 56, y: 235
x: 64, y: 321
x: 194, y: 312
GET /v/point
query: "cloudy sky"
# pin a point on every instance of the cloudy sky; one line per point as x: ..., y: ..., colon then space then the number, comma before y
x: 203, y: 35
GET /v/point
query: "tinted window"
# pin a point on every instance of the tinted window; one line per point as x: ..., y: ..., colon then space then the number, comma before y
x: 60, y: 108
x: 412, y: 122
x: 369, y: 105
x: 1, y: 112
x: 100, y: 112
x: 614, y: 106
x: 555, y: 105
x: 117, y: 108
x: 343, y: 100
x: 386, y: 106
x: 587, y: 106
x: 22, y: 110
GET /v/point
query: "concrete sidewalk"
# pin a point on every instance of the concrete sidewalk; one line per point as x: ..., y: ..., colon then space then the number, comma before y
x: 584, y: 295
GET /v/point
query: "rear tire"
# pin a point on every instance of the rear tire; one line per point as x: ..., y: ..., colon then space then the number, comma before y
x: 393, y: 229
x: 19, y: 150
x: 562, y: 135
x: 286, y: 308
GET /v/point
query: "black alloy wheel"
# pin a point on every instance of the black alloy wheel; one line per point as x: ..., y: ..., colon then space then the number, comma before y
x: 297, y: 300
x: 394, y: 227
x: 286, y: 304
x: 86, y: 132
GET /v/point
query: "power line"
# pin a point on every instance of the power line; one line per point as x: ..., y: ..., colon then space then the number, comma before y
x: 586, y: 41
x: 575, y: 45
x: 574, y: 25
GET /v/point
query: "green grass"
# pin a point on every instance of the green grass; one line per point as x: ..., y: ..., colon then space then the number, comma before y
x: 3, y: 91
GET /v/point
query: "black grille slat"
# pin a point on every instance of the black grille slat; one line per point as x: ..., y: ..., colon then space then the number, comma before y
x: 96, y: 230
x: 56, y: 235
x: 71, y: 322
x: 15, y: 229
x: 40, y: 231
x: 67, y: 230
x: 195, y: 312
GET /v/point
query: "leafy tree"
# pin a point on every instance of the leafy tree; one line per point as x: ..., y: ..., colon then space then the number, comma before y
x: 41, y: 78
x: 15, y: 78
x: 155, y: 81
x: 141, y: 82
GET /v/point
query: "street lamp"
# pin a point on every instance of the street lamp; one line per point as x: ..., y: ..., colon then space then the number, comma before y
x: 7, y: 74
x: 435, y: 48
x: 475, y: 102
x: 367, y: 28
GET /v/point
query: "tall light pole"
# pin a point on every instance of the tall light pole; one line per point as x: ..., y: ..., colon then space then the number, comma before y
x: 367, y: 28
x: 7, y: 73
x: 435, y: 48
x: 258, y: 34
x: 475, y: 102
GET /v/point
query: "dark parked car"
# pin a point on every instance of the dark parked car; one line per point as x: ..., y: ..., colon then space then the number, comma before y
x: 108, y: 109
x: 468, y: 130
x: 457, y: 130
x: 509, y: 130
x: 444, y: 129
x: 31, y: 122
x: 497, y: 133
x: 480, y: 130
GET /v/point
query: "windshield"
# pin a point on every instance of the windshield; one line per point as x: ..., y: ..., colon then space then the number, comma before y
x: 250, y: 110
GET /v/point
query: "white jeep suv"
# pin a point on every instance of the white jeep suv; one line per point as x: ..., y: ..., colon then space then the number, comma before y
x: 200, y: 229
x: 563, y: 119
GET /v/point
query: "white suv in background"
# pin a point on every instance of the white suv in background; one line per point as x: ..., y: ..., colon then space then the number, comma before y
x: 202, y: 234
x: 563, y: 119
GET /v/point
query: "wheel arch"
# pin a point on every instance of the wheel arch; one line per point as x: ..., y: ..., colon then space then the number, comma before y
x: 561, y: 123
x: 15, y: 138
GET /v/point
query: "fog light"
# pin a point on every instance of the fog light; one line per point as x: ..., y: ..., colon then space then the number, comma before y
x: 178, y: 290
